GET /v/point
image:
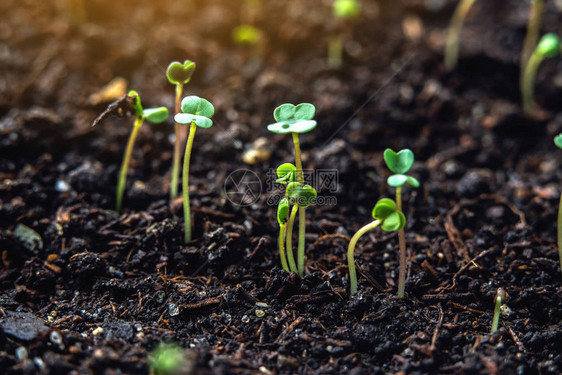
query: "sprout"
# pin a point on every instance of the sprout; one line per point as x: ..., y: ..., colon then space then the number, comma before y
x: 344, y: 11
x: 533, y: 28
x: 286, y: 173
x: 389, y: 218
x: 132, y: 103
x: 167, y: 359
x: 498, y: 300
x: 400, y: 163
x: 295, y: 120
x: 178, y: 74
x: 196, y: 111
x: 453, y: 36
x: 549, y: 46
x: 558, y: 143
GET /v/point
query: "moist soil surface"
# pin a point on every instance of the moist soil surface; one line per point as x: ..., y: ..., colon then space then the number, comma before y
x: 86, y: 290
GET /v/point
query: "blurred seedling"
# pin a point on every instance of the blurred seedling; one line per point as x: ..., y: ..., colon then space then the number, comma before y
x: 400, y: 163
x: 389, y: 218
x: 296, y: 120
x: 549, y: 46
x: 533, y: 28
x: 286, y: 173
x: 131, y: 103
x: 178, y: 74
x: 453, y: 36
x: 344, y: 12
x: 196, y: 112
x: 167, y: 359
x: 498, y: 301
x: 558, y: 143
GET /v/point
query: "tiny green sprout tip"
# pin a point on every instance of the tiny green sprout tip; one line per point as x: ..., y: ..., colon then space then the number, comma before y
x: 346, y: 9
x: 389, y: 218
x: 549, y: 45
x: 558, y: 141
x: 152, y: 115
x: 246, y: 35
x: 499, y: 300
x: 196, y: 112
x: 178, y: 73
x: 293, y: 119
x: 167, y: 359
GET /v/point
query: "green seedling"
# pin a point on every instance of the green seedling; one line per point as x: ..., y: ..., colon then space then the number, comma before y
x: 533, y: 28
x: 453, y: 36
x: 167, y: 359
x: 558, y: 143
x: 286, y: 173
x: 498, y: 300
x: 196, y: 112
x: 296, y: 120
x: 178, y: 74
x: 549, y: 46
x: 344, y: 12
x: 400, y: 163
x: 132, y: 103
x: 389, y: 218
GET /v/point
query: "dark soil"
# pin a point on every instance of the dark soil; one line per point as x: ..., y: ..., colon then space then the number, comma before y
x: 91, y: 291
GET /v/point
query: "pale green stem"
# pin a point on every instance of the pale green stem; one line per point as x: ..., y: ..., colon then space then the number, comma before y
x: 560, y: 232
x: 302, y: 230
x: 125, y: 164
x: 298, y: 162
x: 281, y: 244
x: 177, y: 146
x: 351, y: 257
x: 453, y: 36
x: 402, y: 245
x: 532, y: 36
x: 290, y: 254
x: 335, y: 51
x: 496, y: 318
x: 528, y: 81
x: 185, y: 184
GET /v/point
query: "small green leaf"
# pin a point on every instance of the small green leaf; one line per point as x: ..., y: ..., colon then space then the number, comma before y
x: 400, y: 162
x: 246, y: 35
x: 304, y: 112
x: 286, y: 173
x: 283, y: 211
x: 180, y: 73
x: 383, y: 209
x: 156, y: 115
x: 195, y: 105
x: 285, y: 112
x: 347, y: 9
x: 398, y: 180
x: 186, y: 118
x: 558, y: 140
x: 413, y: 182
x: 302, y: 196
x: 136, y: 105
x: 393, y: 222
x: 293, y: 119
x: 549, y: 45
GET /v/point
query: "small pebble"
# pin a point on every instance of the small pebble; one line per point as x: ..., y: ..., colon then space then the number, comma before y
x: 245, y: 319
x: 173, y: 309
x: 21, y: 353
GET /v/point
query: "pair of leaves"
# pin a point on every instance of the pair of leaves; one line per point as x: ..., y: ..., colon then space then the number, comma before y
x: 558, y: 140
x: 391, y: 219
x: 178, y: 73
x: 549, y: 45
x: 293, y: 119
x: 152, y: 115
x: 301, y: 195
x: 347, y: 9
x: 196, y: 110
x: 286, y: 173
x: 400, y: 163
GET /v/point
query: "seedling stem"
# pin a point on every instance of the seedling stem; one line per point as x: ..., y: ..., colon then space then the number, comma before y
x: 180, y: 136
x: 500, y: 298
x: 125, y: 164
x: 292, y: 264
x: 455, y: 28
x: 281, y: 242
x: 351, y: 256
x: 532, y: 36
x: 560, y: 232
x: 185, y: 183
x: 402, y: 244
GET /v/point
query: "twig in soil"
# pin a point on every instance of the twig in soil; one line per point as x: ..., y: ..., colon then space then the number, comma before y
x: 436, y: 331
x: 199, y: 305
x: 331, y: 236
x: 516, y: 339
x: 469, y: 263
x: 465, y: 308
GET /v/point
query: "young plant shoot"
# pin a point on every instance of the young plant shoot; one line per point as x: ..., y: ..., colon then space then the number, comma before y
x: 152, y: 115
x: 533, y: 28
x: 549, y: 46
x: 400, y: 163
x: 453, y: 36
x: 344, y: 11
x: 389, y: 218
x: 250, y: 37
x: 196, y: 112
x: 498, y: 301
x: 286, y: 174
x: 296, y: 120
x: 178, y: 74
x: 558, y: 143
